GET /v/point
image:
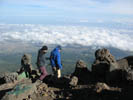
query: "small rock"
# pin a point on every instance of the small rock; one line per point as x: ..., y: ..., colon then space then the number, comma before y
x: 74, y: 81
x: 101, y: 86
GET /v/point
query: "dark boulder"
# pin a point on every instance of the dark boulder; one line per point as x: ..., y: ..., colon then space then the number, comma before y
x: 116, y: 76
x: 99, y: 71
x: 129, y: 75
x: 104, y: 63
x: 126, y: 65
x: 82, y: 72
x: 106, y: 68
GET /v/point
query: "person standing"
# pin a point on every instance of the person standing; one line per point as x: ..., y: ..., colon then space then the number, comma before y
x: 55, y: 59
x: 41, y: 62
x: 26, y: 65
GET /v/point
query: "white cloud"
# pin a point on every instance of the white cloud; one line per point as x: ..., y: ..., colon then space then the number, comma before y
x: 68, y: 35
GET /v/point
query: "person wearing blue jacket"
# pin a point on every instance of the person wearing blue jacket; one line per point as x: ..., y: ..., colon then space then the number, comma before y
x: 55, y: 59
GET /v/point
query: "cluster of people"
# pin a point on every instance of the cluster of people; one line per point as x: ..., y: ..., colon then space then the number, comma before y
x: 55, y: 60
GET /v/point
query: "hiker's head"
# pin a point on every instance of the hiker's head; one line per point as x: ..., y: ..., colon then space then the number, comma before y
x: 44, y: 49
x: 59, y: 47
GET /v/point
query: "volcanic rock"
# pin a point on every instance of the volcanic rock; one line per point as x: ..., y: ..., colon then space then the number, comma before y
x: 8, y: 77
x: 21, y: 91
x: 74, y: 81
x: 82, y: 72
x: 106, y: 68
x: 104, y: 63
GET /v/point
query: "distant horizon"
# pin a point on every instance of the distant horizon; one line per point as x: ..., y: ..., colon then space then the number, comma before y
x: 88, y: 24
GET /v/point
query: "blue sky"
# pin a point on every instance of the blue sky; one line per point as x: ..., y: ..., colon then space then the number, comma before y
x: 66, y: 11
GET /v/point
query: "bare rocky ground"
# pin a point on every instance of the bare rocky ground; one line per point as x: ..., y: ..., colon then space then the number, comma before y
x: 91, y: 91
x: 109, y: 79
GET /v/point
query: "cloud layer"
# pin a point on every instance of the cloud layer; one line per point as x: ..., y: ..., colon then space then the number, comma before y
x: 66, y: 35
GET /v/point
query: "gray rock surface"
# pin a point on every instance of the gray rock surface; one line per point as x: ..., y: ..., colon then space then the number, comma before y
x: 74, y: 81
x: 130, y: 75
x: 8, y: 77
x: 21, y: 91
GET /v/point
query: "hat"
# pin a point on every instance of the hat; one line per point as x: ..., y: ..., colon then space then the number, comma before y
x: 59, y: 47
x: 44, y: 48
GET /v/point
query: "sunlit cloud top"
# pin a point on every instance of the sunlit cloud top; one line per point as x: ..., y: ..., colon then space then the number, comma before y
x: 68, y: 35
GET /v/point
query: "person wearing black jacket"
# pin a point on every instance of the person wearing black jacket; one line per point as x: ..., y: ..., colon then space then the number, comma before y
x: 41, y: 62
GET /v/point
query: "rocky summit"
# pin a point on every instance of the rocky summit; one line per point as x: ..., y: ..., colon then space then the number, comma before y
x: 108, y: 79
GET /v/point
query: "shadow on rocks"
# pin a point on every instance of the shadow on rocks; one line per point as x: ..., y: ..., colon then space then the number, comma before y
x: 3, y: 92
